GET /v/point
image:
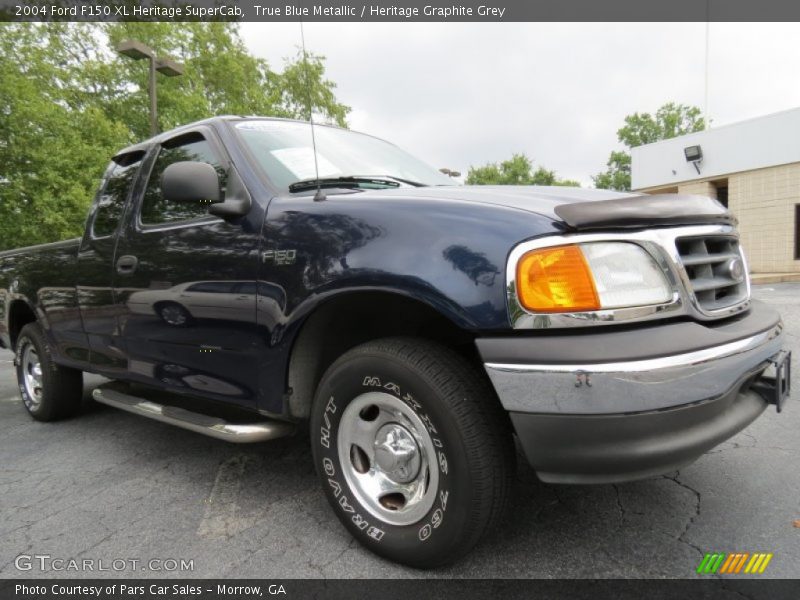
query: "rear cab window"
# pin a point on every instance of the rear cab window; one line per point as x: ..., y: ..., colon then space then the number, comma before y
x: 114, y: 193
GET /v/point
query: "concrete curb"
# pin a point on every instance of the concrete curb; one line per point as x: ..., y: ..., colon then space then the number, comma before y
x: 759, y: 278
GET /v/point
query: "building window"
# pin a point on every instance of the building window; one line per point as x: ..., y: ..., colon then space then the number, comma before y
x: 797, y: 231
x: 721, y: 188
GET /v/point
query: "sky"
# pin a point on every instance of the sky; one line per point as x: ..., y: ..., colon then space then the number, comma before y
x: 461, y: 94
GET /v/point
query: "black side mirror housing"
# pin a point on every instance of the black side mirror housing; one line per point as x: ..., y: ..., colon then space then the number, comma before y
x: 237, y: 200
x: 189, y: 181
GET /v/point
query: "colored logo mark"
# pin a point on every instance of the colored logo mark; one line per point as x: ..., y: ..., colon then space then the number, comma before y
x: 735, y: 563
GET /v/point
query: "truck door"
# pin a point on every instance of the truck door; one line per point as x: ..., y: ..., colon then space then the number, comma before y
x: 186, y: 325
x: 95, y: 272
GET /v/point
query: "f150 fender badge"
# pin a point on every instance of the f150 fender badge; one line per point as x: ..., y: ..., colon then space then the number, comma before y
x: 279, y: 257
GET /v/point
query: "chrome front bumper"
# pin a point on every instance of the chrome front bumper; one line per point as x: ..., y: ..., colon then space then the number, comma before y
x: 634, y: 403
x: 632, y: 385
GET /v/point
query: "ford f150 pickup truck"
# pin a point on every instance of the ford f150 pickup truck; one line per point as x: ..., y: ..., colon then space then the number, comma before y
x: 249, y: 277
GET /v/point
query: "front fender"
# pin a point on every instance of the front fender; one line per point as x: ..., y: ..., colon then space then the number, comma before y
x: 448, y: 254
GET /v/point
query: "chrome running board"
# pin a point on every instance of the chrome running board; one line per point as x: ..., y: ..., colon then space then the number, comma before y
x: 206, y: 424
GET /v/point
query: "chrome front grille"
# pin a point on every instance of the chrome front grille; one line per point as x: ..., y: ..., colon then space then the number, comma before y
x: 715, y: 269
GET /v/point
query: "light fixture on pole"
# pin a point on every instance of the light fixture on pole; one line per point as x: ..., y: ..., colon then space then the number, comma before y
x: 138, y: 51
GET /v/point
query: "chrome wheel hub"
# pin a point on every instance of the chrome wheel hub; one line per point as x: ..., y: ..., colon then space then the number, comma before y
x: 397, y: 453
x: 32, y: 376
x: 388, y: 458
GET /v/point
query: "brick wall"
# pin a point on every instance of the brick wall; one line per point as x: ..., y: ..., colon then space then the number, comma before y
x: 764, y: 203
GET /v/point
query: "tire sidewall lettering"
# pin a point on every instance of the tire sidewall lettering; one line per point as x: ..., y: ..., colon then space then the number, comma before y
x: 325, y: 435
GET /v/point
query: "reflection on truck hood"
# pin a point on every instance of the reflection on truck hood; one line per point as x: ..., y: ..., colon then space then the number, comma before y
x: 541, y: 200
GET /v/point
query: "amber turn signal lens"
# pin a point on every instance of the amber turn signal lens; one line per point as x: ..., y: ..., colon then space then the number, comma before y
x: 556, y: 279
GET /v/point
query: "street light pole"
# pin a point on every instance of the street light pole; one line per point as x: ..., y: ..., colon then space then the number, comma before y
x: 137, y: 50
x: 151, y: 91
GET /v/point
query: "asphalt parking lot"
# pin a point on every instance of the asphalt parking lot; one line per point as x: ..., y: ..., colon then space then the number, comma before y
x: 112, y: 486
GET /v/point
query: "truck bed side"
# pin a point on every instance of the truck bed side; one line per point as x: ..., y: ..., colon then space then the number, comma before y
x: 39, y: 281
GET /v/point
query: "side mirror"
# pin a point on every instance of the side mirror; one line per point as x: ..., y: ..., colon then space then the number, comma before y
x: 188, y: 181
x: 237, y: 201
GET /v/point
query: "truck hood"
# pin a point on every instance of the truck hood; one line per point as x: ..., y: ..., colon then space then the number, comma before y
x: 579, y: 208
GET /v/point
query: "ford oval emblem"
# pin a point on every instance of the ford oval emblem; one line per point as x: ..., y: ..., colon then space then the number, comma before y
x: 735, y: 268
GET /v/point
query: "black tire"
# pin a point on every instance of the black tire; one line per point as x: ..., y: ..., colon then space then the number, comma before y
x: 174, y: 314
x: 467, y: 429
x: 60, y: 389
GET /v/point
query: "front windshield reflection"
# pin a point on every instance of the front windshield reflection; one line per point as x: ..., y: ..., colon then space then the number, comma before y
x: 285, y: 151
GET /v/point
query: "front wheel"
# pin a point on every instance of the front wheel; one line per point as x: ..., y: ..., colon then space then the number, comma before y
x: 413, y: 450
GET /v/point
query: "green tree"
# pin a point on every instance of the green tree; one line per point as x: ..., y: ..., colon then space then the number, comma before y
x: 68, y: 101
x: 671, y: 120
x: 518, y: 170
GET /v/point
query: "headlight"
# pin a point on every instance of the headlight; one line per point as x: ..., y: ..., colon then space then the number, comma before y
x: 591, y: 276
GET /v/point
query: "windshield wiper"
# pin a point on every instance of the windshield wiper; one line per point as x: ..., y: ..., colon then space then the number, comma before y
x: 350, y: 181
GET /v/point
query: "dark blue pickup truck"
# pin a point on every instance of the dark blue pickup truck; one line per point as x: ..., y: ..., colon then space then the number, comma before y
x: 246, y: 278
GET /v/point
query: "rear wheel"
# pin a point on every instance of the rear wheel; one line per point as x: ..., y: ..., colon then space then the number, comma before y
x: 413, y: 450
x: 49, y: 391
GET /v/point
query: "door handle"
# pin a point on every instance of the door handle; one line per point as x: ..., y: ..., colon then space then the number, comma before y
x: 126, y: 264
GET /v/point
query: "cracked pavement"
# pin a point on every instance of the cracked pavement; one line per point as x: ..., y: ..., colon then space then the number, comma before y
x: 110, y: 485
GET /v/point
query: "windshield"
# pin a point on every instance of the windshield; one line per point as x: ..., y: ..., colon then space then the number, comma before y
x: 284, y: 150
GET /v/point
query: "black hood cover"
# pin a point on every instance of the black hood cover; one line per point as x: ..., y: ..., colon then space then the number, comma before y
x: 644, y: 211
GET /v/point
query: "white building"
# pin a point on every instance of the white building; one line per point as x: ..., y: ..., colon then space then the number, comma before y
x: 752, y: 167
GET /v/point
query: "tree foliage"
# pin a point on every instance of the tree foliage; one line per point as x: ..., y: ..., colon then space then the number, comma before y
x: 671, y: 120
x: 68, y: 102
x: 617, y: 175
x: 518, y: 170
